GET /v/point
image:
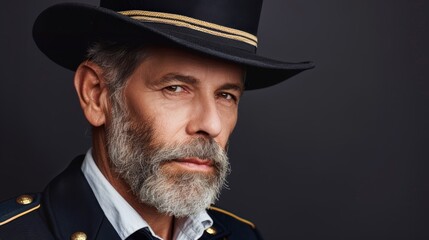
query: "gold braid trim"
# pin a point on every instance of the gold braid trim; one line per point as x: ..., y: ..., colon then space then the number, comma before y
x: 233, y: 215
x: 19, y: 215
x: 192, y: 23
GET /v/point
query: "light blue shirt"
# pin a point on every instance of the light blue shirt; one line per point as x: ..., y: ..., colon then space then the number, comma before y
x: 124, y: 219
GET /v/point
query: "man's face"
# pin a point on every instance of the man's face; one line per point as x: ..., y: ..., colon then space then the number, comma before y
x: 168, y: 139
x: 187, y: 96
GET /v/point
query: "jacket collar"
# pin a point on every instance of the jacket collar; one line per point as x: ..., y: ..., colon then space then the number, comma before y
x: 71, y: 206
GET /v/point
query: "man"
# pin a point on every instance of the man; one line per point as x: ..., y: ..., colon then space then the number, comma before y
x: 160, y: 82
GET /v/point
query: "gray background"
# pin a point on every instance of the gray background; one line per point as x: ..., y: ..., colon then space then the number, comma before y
x: 339, y: 152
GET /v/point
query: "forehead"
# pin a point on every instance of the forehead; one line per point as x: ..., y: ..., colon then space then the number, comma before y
x: 162, y: 60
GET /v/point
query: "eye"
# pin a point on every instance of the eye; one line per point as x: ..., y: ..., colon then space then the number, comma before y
x: 227, y: 96
x: 175, y: 89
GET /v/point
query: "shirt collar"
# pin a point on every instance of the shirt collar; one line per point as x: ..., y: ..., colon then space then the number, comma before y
x: 192, y: 227
x: 124, y: 219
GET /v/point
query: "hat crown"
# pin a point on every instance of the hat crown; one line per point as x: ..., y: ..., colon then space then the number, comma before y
x: 224, y: 29
x: 238, y: 14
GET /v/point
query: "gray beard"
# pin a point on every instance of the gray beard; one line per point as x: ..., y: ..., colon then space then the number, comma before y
x: 139, y: 161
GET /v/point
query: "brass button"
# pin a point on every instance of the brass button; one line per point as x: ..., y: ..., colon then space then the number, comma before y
x: 78, y: 236
x: 24, y: 199
x: 211, y: 231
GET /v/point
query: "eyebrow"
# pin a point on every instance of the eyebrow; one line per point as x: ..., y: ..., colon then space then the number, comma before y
x: 173, y: 77
x: 232, y: 86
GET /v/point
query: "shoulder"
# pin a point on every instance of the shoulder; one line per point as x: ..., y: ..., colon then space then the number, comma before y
x: 20, y: 218
x: 238, y: 227
x: 17, y: 207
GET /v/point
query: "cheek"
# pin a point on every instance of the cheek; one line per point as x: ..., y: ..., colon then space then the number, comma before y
x: 170, y: 121
x: 230, y: 123
x: 229, y: 120
x: 229, y: 116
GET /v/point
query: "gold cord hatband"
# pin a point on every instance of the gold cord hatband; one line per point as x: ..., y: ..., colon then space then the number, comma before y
x: 194, y: 24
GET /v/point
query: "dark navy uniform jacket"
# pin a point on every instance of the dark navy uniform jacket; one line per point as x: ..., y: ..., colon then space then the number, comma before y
x: 68, y: 209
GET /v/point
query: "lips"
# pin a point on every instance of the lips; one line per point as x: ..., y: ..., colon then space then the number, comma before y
x: 195, y: 164
x: 196, y: 161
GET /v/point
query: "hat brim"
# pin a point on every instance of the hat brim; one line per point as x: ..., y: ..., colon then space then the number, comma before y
x: 65, y: 31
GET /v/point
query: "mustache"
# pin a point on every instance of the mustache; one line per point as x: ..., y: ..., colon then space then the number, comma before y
x: 202, y: 148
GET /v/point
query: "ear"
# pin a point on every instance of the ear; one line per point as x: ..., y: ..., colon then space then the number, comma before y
x: 92, y: 92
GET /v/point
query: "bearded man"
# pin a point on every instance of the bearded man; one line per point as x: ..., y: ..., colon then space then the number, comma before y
x: 160, y: 82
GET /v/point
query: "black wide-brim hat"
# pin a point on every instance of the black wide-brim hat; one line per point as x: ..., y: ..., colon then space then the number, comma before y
x: 224, y: 29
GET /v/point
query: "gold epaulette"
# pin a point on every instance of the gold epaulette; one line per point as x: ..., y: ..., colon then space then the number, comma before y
x: 17, y: 207
x: 232, y: 215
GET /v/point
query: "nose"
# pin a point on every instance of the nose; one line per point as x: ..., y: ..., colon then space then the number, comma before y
x: 205, y: 119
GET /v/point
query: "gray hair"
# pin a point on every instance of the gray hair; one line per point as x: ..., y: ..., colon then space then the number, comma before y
x: 118, y: 62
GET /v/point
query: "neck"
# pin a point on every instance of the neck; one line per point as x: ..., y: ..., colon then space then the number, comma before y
x: 161, y: 224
